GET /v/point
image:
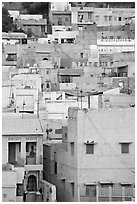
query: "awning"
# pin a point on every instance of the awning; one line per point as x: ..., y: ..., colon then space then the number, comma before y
x: 125, y: 184
x: 90, y: 184
x: 105, y: 182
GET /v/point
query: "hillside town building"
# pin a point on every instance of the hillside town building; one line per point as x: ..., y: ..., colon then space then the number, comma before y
x: 68, y: 102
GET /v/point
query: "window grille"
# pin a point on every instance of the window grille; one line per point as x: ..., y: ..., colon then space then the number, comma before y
x: 89, y: 148
x: 125, y: 148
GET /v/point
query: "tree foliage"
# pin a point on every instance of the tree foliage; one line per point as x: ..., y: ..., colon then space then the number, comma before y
x: 7, y: 22
x: 36, y: 8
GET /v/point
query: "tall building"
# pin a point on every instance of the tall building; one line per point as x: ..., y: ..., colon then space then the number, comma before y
x: 96, y: 161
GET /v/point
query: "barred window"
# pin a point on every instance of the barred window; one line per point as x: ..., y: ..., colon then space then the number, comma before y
x: 125, y: 148
x: 89, y: 148
x: 91, y: 190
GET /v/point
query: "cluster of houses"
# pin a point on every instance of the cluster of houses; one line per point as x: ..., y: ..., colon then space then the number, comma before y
x: 68, y: 98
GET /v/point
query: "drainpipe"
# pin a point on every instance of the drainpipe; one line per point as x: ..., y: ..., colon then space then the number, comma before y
x: 89, y: 101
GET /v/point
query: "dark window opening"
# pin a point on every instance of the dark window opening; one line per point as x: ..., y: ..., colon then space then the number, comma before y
x: 55, y: 168
x: 19, y: 189
x: 91, y: 190
x: 47, y: 86
x: 32, y: 183
x: 62, y: 40
x: 58, y: 131
x: 118, y: 37
x: 4, y: 195
x: 111, y: 37
x: 89, y: 148
x: 67, y: 19
x: 72, y: 187
x: 81, y: 55
x: 125, y: 148
x: 72, y: 148
x: 66, y: 136
x: 45, y: 58
x: 11, y: 57
x: 59, y: 21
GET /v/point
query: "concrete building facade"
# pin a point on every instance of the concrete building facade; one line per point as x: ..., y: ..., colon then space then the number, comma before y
x: 95, y: 165
x: 22, y: 147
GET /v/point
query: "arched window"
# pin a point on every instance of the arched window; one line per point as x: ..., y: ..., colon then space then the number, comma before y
x: 45, y: 58
x: 48, y: 86
x: 32, y: 183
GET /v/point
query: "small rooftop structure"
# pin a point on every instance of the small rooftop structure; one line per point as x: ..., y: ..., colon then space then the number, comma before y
x: 73, y: 72
x: 18, y: 126
x: 28, y: 17
x: 13, y: 35
x: 33, y: 22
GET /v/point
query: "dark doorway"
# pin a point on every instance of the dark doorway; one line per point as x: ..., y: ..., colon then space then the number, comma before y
x: 12, y: 153
x: 32, y: 183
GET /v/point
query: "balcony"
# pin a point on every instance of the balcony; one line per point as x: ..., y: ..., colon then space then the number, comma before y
x: 30, y: 160
x: 33, y: 163
x: 114, y: 64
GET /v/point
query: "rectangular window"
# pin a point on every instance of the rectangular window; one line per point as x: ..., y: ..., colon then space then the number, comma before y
x: 91, y: 190
x: 66, y: 19
x: 27, y: 146
x: 81, y: 55
x: 19, y: 146
x: 90, y: 17
x: 95, y: 64
x: 111, y: 37
x: 72, y: 187
x: 118, y: 37
x: 119, y: 19
x: 66, y: 136
x: 55, y: 168
x: 43, y: 28
x: 85, y: 64
x: 4, y: 195
x: 60, y: 21
x: 97, y: 18
x: 62, y: 40
x: 89, y: 148
x: 125, y: 148
x: 72, y: 148
x: 58, y: 131
x: 63, y: 184
x: 19, y: 189
x: 105, y: 18
x: 81, y: 64
x: 110, y: 18
x: 11, y: 57
x: 80, y: 27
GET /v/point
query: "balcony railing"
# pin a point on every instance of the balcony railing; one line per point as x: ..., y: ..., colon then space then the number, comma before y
x: 30, y: 160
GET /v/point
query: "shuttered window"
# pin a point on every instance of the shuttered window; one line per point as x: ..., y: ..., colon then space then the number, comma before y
x: 125, y: 148
x: 89, y: 148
